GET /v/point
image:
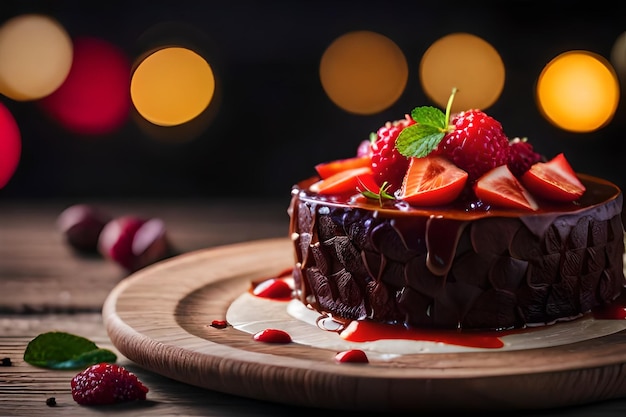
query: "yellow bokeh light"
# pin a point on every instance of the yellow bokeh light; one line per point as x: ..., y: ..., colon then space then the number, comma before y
x: 172, y: 86
x: 363, y: 72
x: 35, y: 56
x: 578, y: 91
x: 467, y: 62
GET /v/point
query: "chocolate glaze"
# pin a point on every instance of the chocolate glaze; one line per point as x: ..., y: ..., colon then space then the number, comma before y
x: 466, y: 266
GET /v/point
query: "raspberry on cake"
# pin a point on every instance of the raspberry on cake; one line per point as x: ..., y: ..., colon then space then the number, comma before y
x: 482, y: 233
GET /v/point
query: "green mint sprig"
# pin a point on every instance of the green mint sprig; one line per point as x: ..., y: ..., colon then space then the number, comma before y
x: 60, y: 350
x: 381, y: 196
x: 431, y: 126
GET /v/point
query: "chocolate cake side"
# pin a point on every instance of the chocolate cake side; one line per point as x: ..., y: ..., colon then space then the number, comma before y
x: 431, y: 271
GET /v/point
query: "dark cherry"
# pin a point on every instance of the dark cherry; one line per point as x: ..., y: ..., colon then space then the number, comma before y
x: 134, y: 242
x: 81, y: 225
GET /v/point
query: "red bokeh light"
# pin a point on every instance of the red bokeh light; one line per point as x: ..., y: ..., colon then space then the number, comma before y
x: 95, y: 97
x: 10, y: 145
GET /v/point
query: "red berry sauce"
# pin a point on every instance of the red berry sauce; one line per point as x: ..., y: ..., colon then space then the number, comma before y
x: 613, y: 311
x: 277, y: 288
x: 352, y: 355
x: 219, y: 324
x: 366, y: 331
x: 272, y: 336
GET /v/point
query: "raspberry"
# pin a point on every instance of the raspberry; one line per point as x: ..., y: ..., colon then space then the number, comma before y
x: 387, y: 163
x: 364, y: 148
x: 477, y: 144
x: 106, y: 383
x: 521, y: 156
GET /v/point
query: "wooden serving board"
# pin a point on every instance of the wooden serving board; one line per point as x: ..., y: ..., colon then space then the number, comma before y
x: 160, y: 318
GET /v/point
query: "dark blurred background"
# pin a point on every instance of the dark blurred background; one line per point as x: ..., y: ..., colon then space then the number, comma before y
x: 275, y: 122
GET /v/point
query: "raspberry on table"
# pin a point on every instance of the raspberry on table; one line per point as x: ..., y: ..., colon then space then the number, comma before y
x: 106, y: 383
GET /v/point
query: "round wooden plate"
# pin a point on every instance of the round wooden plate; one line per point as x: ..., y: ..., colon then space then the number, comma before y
x: 160, y: 318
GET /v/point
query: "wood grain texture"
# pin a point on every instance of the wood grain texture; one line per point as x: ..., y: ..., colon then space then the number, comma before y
x: 160, y: 318
x: 40, y: 273
x: 24, y: 388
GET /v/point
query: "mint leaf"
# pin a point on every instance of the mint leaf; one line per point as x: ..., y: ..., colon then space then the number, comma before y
x: 59, y: 350
x: 431, y: 126
x: 418, y: 140
x: 430, y: 116
x: 85, y: 359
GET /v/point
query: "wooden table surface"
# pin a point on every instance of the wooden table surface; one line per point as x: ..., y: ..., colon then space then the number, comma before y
x: 46, y: 286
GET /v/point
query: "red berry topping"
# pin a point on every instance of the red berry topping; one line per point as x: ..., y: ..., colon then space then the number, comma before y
x: 364, y: 148
x: 477, y: 144
x: 554, y: 180
x: 521, y: 156
x: 431, y: 181
x: 388, y: 164
x: 106, y: 383
x: 500, y: 188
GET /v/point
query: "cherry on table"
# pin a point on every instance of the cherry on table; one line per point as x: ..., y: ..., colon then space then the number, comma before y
x: 81, y: 225
x: 134, y: 242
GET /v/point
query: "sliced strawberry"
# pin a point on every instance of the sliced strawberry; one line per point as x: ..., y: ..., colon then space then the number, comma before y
x: 349, y: 181
x: 500, y: 188
x: 554, y: 180
x: 432, y: 181
x: 326, y: 169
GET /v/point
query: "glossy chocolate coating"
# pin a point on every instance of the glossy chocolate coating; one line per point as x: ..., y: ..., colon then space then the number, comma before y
x: 455, y: 268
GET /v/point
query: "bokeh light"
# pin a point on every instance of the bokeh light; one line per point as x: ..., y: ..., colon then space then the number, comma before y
x: 95, y: 97
x: 185, y: 132
x: 35, y: 56
x: 467, y: 62
x: 618, y: 57
x: 10, y: 145
x: 172, y: 86
x: 363, y: 72
x: 578, y: 91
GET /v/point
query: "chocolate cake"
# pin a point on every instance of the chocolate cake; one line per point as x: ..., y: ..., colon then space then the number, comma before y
x: 478, y: 261
x: 449, y: 268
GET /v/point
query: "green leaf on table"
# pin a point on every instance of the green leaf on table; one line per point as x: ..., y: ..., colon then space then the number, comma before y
x: 60, y: 350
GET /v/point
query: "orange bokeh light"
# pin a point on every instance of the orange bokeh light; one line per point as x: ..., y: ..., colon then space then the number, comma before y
x: 578, y: 91
x: 468, y: 63
x: 363, y: 72
x: 172, y: 86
